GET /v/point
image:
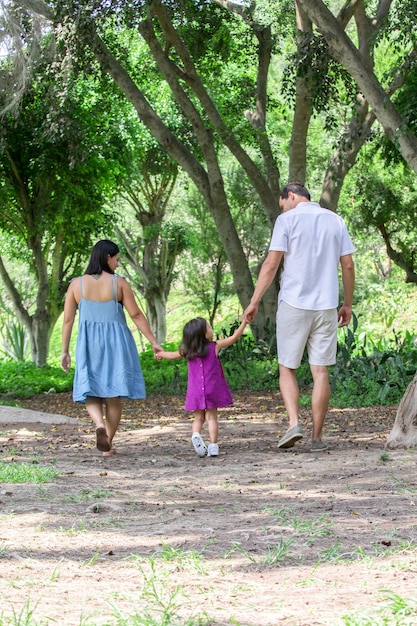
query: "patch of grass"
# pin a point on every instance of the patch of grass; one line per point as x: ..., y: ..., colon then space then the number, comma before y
x: 91, y: 561
x: 44, y: 493
x: 159, y: 603
x: 181, y: 558
x: 278, y: 552
x: 22, y: 617
x: 332, y: 553
x: 236, y: 547
x: 313, y: 528
x: 24, y: 473
x: 394, y: 610
x: 108, y: 522
x: 403, y: 486
x: 3, y: 550
x: 80, y: 527
x: 385, y: 457
x: 87, y: 495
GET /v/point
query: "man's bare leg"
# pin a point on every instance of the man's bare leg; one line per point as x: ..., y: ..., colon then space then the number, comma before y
x: 290, y: 393
x: 320, y: 398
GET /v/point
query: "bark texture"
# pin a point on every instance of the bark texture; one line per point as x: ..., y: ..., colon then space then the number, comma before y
x: 404, y: 430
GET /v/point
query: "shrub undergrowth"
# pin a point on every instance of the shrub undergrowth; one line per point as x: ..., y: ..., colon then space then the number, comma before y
x: 367, y: 372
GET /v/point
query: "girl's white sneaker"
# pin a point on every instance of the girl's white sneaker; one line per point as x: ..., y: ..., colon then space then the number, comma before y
x: 213, y: 449
x: 199, y: 445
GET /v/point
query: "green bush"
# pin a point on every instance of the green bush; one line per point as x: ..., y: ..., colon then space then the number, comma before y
x: 369, y: 373
x: 22, y: 379
x: 366, y: 373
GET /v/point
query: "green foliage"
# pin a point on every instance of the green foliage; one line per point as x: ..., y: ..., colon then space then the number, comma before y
x: 325, y: 77
x: 15, y: 341
x: 371, y: 372
x: 24, y: 379
x: 164, y: 376
x: 367, y: 372
x: 24, y: 473
x: 250, y: 364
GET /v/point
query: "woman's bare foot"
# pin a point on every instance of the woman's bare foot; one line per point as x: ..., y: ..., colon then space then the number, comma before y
x: 110, y: 452
x: 103, y: 443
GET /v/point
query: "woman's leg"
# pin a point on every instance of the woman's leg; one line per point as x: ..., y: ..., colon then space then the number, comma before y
x: 94, y: 408
x: 113, y: 416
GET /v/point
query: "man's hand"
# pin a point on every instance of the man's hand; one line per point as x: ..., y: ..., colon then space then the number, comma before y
x: 249, y: 313
x: 345, y: 315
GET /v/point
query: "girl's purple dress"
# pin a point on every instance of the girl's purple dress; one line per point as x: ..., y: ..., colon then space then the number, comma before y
x: 207, y: 387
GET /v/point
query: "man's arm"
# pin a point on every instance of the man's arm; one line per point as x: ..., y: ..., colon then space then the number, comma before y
x: 348, y: 279
x: 266, y: 276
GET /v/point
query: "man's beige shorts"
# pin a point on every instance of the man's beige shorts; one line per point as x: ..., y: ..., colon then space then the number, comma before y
x: 298, y: 329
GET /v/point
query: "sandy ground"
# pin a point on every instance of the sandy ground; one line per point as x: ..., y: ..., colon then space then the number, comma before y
x: 157, y: 536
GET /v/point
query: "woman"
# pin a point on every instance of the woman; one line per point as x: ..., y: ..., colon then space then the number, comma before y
x: 107, y: 365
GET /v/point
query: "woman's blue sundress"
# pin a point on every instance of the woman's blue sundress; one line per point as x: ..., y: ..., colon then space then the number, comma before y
x: 107, y: 362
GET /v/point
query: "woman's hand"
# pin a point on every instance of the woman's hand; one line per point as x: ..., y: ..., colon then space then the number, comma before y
x: 65, y: 361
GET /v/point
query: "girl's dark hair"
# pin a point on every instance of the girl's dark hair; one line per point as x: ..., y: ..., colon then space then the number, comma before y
x: 194, y: 342
x: 99, y: 257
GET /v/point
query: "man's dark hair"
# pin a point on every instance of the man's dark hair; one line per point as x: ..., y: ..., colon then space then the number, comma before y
x: 296, y: 188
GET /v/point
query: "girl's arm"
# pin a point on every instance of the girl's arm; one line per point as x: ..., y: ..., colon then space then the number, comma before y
x: 227, y: 341
x: 164, y: 354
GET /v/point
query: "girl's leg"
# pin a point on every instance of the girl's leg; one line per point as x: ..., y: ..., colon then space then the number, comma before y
x: 113, y: 416
x: 94, y: 408
x: 199, y: 419
x: 196, y: 439
x: 213, y: 427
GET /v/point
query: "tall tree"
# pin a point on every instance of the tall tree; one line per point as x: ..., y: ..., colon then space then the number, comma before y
x: 153, y: 248
x: 373, y: 98
x: 208, y: 128
x: 55, y: 174
x: 196, y: 46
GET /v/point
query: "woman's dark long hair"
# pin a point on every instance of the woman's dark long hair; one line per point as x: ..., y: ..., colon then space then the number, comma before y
x: 99, y: 257
x: 194, y: 342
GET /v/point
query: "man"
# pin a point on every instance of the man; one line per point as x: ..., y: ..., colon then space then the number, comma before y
x: 312, y: 241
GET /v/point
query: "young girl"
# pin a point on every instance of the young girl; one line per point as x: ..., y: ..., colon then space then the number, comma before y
x: 207, y: 389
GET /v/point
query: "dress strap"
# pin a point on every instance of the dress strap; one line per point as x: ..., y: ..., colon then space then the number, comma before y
x: 115, y: 287
x: 81, y: 287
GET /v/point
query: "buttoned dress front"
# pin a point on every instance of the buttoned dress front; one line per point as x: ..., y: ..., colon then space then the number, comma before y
x: 207, y: 386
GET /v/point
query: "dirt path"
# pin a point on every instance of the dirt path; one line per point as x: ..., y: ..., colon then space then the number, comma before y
x: 255, y: 537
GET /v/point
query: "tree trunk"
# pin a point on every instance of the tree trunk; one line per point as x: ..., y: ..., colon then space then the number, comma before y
x: 209, y: 182
x: 39, y: 337
x: 156, y: 313
x: 404, y: 430
x: 302, y: 110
